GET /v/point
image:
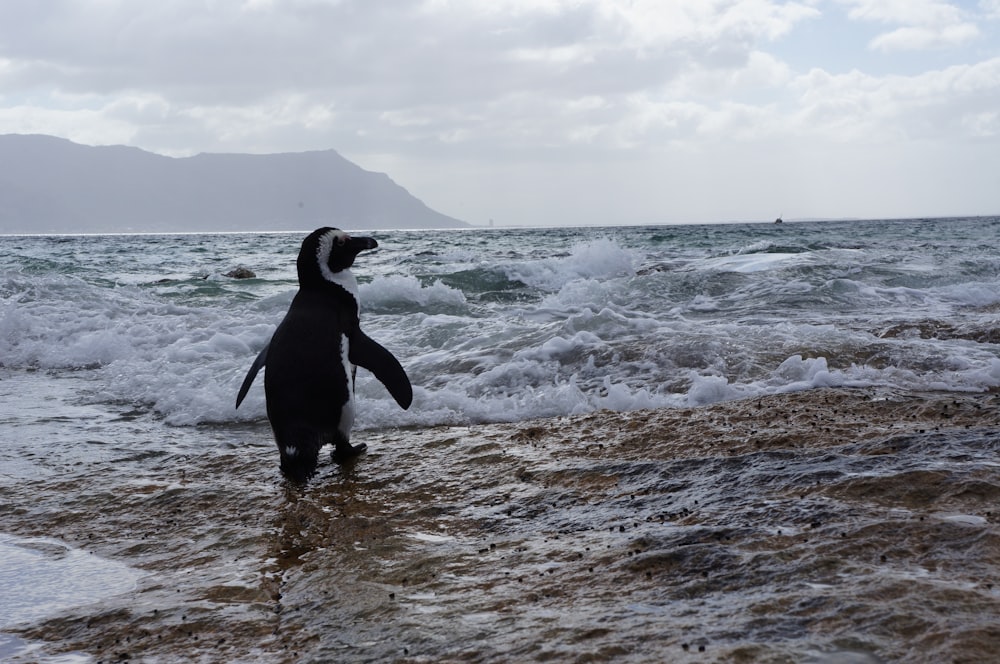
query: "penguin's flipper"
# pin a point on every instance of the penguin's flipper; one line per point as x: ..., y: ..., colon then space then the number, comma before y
x: 254, y: 368
x: 367, y: 353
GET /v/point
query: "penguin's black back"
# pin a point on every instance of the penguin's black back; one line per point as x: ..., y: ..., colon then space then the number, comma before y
x: 306, y: 381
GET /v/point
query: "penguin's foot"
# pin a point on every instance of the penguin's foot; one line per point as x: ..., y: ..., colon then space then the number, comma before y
x: 346, y: 452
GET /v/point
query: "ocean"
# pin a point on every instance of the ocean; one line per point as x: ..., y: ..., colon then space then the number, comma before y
x: 537, y: 356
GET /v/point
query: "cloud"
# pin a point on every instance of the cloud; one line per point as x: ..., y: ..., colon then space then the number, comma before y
x: 921, y: 38
x: 471, y: 77
x: 990, y: 9
x: 924, y: 24
x: 407, y: 71
x: 942, y: 104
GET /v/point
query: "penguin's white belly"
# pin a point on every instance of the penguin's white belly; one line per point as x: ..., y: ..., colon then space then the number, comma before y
x: 347, y: 410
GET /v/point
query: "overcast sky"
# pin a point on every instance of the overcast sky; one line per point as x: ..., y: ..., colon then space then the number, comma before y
x: 545, y: 111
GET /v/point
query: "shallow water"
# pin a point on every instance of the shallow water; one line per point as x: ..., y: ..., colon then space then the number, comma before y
x: 41, y: 576
x: 829, y: 525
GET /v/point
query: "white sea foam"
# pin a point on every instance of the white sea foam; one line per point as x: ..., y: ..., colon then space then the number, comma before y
x: 402, y: 293
x: 586, y: 331
x: 591, y: 260
x: 753, y: 262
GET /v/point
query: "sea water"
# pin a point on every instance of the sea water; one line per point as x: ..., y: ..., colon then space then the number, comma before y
x: 510, y: 324
x: 121, y: 356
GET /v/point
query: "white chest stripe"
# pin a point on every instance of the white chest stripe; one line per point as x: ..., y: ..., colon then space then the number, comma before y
x: 344, y: 278
x: 347, y: 411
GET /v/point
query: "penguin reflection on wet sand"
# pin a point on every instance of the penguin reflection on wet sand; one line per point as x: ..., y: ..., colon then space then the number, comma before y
x: 313, y: 354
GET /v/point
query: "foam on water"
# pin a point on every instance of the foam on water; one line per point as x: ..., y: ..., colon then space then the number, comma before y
x: 516, y: 325
x: 754, y: 262
x: 590, y: 260
x: 402, y: 293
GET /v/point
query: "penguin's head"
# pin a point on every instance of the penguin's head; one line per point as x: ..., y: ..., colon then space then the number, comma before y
x: 328, y: 251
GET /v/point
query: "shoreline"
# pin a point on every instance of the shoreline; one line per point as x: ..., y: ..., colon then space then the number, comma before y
x: 806, y: 525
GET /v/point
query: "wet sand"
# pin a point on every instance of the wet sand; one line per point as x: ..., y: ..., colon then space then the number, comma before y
x: 829, y: 526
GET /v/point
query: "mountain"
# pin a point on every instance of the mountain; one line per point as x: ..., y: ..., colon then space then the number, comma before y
x: 52, y: 185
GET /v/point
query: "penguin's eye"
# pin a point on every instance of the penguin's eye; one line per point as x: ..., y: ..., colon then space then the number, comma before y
x: 340, y: 241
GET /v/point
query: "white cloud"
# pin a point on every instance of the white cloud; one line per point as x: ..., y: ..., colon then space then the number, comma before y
x: 474, y: 76
x: 924, y: 24
x: 921, y: 37
x: 649, y: 23
x: 933, y: 105
x: 914, y: 12
x: 990, y: 8
x: 984, y: 124
x: 760, y: 72
x: 89, y: 126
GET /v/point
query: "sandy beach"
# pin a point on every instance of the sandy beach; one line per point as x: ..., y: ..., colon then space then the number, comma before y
x: 828, y: 525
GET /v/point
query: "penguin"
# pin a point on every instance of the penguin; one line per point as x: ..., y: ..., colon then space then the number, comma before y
x: 313, y: 356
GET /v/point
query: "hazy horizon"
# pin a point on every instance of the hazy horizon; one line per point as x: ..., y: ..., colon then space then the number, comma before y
x: 497, y: 227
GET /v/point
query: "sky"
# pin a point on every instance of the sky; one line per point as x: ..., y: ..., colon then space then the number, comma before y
x: 545, y: 112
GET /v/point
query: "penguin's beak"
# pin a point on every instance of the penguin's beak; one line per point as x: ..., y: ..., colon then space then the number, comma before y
x: 359, y: 244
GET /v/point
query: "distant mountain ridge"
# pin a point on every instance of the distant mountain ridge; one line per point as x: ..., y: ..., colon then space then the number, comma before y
x: 52, y: 185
